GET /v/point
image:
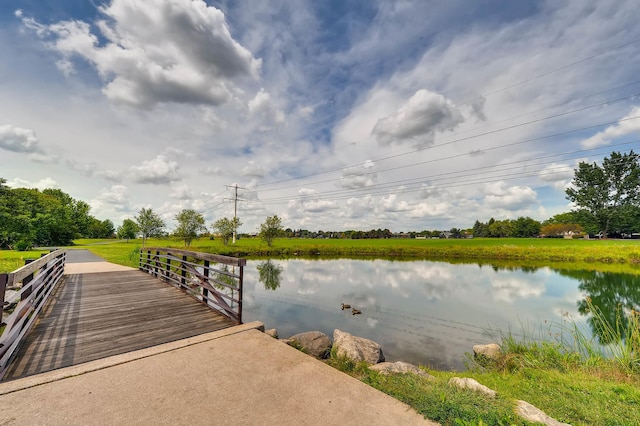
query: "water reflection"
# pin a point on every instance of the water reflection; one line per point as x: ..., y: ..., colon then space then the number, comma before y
x: 615, y: 295
x: 424, y: 312
x: 269, y: 274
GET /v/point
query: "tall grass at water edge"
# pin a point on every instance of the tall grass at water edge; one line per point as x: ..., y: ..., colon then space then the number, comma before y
x: 565, y: 345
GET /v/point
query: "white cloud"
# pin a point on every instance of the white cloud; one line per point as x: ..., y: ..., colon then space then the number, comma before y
x: 17, y: 139
x: 439, y: 209
x: 40, y: 184
x: 157, y: 51
x: 499, y: 195
x: 418, y: 121
x: 160, y: 170
x: 116, y: 198
x: 558, y: 175
x: 181, y: 192
x: 210, y: 170
x: 627, y: 125
x: 359, y: 176
x: 252, y: 169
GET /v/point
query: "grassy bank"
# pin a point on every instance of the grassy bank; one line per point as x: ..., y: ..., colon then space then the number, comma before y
x: 517, y: 249
x: 573, y: 380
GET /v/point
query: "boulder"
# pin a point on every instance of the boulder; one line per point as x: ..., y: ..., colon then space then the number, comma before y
x: 314, y: 343
x: 272, y: 332
x: 491, y: 351
x: 535, y: 415
x: 399, y: 367
x: 467, y: 383
x: 357, y: 348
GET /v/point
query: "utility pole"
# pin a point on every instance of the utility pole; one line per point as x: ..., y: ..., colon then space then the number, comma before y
x: 235, y: 207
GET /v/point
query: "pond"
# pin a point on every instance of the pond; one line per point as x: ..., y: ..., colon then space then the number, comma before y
x: 426, y: 312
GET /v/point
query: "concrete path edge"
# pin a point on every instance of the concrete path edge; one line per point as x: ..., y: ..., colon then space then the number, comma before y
x: 76, y: 370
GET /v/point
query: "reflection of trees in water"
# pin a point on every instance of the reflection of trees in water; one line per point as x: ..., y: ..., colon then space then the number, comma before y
x: 269, y: 274
x: 614, y: 295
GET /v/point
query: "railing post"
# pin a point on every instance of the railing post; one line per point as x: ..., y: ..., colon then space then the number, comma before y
x: 26, y: 280
x: 168, y: 268
x: 205, y: 292
x: 4, y: 279
x: 148, y: 264
x: 155, y: 270
x: 240, y: 279
x: 183, y: 280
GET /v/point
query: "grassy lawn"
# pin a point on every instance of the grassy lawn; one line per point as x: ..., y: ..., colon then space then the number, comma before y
x: 11, y: 260
x: 578, y: 397
x: 606, y: 255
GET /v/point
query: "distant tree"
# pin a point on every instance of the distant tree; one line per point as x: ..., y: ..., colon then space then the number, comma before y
x: 149, y: 223
x: 604, y: 190
x: 500, y: 228
x: 190, y: 223
x: 225, y: 228
x: 128, y: 230
x: 270, y: 229
x: 525, y: 227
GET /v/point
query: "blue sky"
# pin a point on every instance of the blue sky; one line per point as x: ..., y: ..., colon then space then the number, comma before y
x: 333, y: 115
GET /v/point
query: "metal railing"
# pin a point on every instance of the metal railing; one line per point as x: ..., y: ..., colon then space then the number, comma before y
x: 212, y: 279
x: 25, y: 292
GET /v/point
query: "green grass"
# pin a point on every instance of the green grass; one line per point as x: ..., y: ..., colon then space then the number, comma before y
x: 10, y: 260
x: 434, y: 398
x: 533, y: 250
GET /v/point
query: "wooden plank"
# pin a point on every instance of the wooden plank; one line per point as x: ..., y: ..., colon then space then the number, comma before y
x: 92, y: 316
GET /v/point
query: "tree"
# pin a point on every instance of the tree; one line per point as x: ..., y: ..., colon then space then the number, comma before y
x: 190, y: 223
x: 604, y: 190
x: 149, y: 224
x: 128, y: 230
x: 525, y: 227
x: 270, y: 229
x: 225, y: 228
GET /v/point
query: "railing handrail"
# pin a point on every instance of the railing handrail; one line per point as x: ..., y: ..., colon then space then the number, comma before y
x: 28, y: 269
x: 218, y: 258
x: 174, y: 267
x: 38, y: 279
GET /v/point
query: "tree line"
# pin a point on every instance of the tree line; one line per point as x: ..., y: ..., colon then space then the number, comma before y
x: 30, y: 217
x: 606, y: 196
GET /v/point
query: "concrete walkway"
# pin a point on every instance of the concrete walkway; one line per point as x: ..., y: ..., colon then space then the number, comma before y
x: 234, y: 376
x: 84, y: 262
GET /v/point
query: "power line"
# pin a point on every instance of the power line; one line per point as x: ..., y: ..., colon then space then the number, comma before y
x: 458, y: 155
x: 352, y: 193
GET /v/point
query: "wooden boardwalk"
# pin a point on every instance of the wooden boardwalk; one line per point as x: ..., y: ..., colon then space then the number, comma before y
x: 96, y: 315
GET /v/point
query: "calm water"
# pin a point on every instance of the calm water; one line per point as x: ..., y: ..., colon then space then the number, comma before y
x: 424, y: 312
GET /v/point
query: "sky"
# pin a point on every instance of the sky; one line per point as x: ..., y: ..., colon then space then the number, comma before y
x: 333, y: 115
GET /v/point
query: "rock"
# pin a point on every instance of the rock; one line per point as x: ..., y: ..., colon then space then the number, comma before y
x: 466, y: 383
x: 399, y: 367
x: 535, y: 415
x: 491, y: 351
x: 272, y: 332
x: 357, y: 348
x: 314, y: 343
